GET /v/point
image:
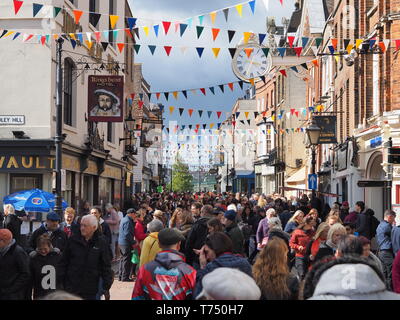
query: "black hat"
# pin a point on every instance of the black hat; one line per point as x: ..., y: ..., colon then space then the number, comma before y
x: 169, y: 237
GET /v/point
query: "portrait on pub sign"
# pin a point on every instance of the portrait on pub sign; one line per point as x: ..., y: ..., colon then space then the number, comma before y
x: 105, y: 98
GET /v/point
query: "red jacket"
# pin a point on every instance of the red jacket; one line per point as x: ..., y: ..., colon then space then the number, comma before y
x: 396, y: 273
x: 140, y: 235
x: 300, y: 238
x: 168, y: 277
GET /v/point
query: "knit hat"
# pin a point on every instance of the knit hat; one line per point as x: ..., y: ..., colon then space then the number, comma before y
x: 169, y: 237
x: 229, y: 284
x: 5, y: 235
x: 155, y: 226
x: 345, y: 204
x: 230, y: 215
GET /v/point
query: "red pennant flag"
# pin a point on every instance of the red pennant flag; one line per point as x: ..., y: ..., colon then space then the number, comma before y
x: 167, y: 50
x: 297, y: 113
x: 78, y: 15
x: 43, y: 40
x: 196, y: 130
x: 292, y: 111
x: 298, y: 50
x: 166, y: 25
x: 264, y: 114
x: 197, y: 126
x: 230, y: 85
x: 29, y: 37
x: 215, y: 32
x: 97, y: 34
x: 129, y: 33
x: 158, y: 95
x: 140, y: 104
x: 133, y: 96
x: 248, y: 51
x: 234, y: 123
x: 334, y: 43
x: 190, y: 112
x: 219, y: 114
x: 203, y: 91
x: 283, y: 72
x: 121, y: 46
x: 290, y: 40
x: 315, y: 62
x: 17, y: 5
x: 397, y: 42
x: 382, y: 45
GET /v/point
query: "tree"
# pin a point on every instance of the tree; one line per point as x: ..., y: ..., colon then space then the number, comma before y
x: 182, y: 180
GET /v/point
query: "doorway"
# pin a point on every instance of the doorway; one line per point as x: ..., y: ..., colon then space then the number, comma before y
x: 374, y: 197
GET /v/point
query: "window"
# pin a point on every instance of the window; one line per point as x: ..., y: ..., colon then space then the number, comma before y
x: 69, y: 92
x: 111, y: 12
x: 375, y: 84
x: 269, y: 137
x: 93, y: 7
x: 19, y: 182
x: 110, y: 132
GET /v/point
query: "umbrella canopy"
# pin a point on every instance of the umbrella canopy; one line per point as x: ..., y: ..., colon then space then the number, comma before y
x: 34, y: 200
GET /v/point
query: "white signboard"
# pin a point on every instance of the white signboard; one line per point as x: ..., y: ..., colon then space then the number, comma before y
x: 12, y: 120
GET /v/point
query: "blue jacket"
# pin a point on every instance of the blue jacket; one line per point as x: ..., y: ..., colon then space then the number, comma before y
x: 226, y: 260
x: 291, y: 226
x: 126, y: 232
x: 383, y: 235
x: 396, y: 239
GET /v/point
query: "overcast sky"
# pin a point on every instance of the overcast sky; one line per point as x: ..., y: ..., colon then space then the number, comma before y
x: 185, y: 71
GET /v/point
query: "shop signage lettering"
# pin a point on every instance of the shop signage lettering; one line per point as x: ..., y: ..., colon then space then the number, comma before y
x: 12, y: 120
x: 26, y: 163
x: 328, y: 129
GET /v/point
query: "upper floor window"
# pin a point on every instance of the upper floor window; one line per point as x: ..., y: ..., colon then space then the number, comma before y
x: 94, y: 8
x: 69, y: 92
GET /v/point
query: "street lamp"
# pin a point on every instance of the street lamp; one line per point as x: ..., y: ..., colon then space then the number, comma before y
x: 313, y: 133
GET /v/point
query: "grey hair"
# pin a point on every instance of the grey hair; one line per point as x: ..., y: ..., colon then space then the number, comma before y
x: 275, y: 222
x: 155, y: 226
x: 10, y: 208
x: 91, y: 219
x: 60, y: 295
x: 109, y: 206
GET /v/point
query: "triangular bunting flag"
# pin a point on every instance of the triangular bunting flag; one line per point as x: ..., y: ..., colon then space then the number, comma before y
x: 104, y: 45
x: 140, y: 104
x: 166, y: 95
x: 183, y: 28
x: 171, y: 109
x: 246, y: 37
x: 167, y: 50
x: 121, y: 46
x: 73, y: 43
x: 57, y: 10
x: 251, y: 81
x: 146, y: 31
x: 152, y: 49
x: 190, y: 114
x: 248, y: 51
x: 136, y: 47
x: 200, y: 113
x: 252, y: 5
x: 219, y: 115
x: 242, y: 121
x: 212, y: 90
x: 232, y: 52
x: 136, y: 30
x: 294, y: 69
x: 221, y: 86
x: 203, y: 91
x: 78, y: 15
x: 131, y: 22
x: 298, y: 51
x: 158, y: 95
x: 331, y: 49
x: 304, y: 65
x: 181, y: 111
x: 239, y: 9
x: 17, y: 5
x: 199, y: 31
x: 246, y: 114
x: 315, y: 62
x: 16, y: 35
x: 213, y: 15
x: 89, y: 44
x: 230, y: 85
x: 263, y: 78
x: 283, y: 72
x: 334, y: 42
x: 201, y: 20
x: 166, y: 25
x: 36, y: 8
x: 231, y: 34
x: 156, y: 28
x: 175, y: 94
x: 266, y: 51
x: 281, y: 51
x: 216, y: 51
x: 241, y: 84
x: 226, y: 13
x: 318, y: 41
x: 113, y: 21
x: 358, y: 43
x: 304, y: 41
x: 184, y: 92
x: 290, y: 41
x: 215, y: 33
x: 261, y: 37
x: 200, y: 51
x: 209, y: 115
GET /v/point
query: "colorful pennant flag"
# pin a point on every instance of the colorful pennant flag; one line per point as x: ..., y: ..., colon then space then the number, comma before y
x: 239, y: 9
x: 36, y: 8
x: 216, y: 51
x: 166, y: 25
x: 78, y: 15
x: 200, y: 51
x: 215, y: 33
x: 17, y: 6
x: 199, y: 31
x: 113, y: 21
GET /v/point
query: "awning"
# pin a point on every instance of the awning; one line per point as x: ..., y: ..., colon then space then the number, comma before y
x: 242, y: 174
x: 298, y: 176
x: 334, y: 195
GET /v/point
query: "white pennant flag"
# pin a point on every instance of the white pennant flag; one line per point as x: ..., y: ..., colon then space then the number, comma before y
x: 277, y: 39
x: 315, y: 50
x: 266, y: 4
x: 183, y: 50
x: 89, y: 36
x: 386, y: 43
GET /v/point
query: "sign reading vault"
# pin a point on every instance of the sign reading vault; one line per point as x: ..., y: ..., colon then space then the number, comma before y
x: 26, y: 163
x: 328, y: 129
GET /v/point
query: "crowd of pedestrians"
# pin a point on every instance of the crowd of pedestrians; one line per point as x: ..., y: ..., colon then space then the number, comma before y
x: 174, y: 246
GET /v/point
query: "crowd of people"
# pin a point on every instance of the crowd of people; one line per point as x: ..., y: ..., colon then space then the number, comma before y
x: 205, y: 246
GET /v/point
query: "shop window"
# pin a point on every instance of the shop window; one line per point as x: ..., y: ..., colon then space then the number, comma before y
x: 20, y: 182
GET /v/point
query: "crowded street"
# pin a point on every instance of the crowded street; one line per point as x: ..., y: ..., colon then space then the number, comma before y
x: 155, y: 150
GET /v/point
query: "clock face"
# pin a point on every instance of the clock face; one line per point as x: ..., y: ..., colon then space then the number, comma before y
x: 250, y: 62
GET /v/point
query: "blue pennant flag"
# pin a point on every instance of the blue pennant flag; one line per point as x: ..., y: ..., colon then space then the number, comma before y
x: 371, y: 43
x: 183, y: 28
x: 331, y: 49
x: 152, y: 49
x: 132, y: 23
x: 261, y: 37
x: 282, y: 51
x: 80, y: 37
x: 304, y: 41
x: 36, y: 8
x: 209, y: 113
x: 156, y: 27
x: 16, y: 35
x: 200, y: 51
x: 252, y: 5
x: 73, y: 43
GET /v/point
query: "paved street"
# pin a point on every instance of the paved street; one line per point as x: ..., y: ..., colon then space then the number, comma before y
x: 121, y: 290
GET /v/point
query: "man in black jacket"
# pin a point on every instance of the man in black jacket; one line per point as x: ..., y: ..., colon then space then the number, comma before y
x: 14, y: 268
x: 58, y: 237
x: 85, y: 260
x: 197, y: 236
x: 12, y: 222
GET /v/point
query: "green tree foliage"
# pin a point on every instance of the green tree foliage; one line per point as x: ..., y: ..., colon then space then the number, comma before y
x: 182, y: 179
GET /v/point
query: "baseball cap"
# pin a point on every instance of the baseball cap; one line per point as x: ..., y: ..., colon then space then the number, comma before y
x: 229, y: 284
x: 230, y: 215
x: 170, y: 236
x: 53, y: 216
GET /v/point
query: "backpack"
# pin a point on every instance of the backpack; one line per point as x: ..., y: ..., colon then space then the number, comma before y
x: 246, y: 229
x: 374, y: 225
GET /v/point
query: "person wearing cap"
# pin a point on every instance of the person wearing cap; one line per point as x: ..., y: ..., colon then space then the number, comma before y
x: 228, y: 284
x: 150, y: 246
x: 344, y: 210
x: 108, y: 104
x: 218, y: 252
x: 51, y: 227
x: 168, y: 277
x: 14, y: 268
x: 233, y: 231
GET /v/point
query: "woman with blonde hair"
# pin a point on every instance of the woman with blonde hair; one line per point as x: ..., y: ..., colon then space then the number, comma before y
x: 261, y: 201
x: 333, y: 217
x: 184, y: 221
x: 327, y: 249
x: 272, y: 275
x: 312, y: 249
x: 294, y: 221
x: 173, y: 223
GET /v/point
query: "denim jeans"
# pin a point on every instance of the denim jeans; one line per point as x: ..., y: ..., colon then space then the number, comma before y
x: 299, y: 264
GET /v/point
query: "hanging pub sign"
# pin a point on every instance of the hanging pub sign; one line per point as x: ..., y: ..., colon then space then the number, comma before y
x: 105, y: 98
x: 328, y: 129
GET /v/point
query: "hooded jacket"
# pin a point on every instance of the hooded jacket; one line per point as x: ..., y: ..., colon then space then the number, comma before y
x: 226, y: 260
x: 14, y: 272
x: 347, y: 278
x: 352, y: 217
x: 39, y: 267
x: 168, y: 277
x: 83, y: 263
x: 196, y: 239
x: 233, y: 231
x: 150, y: 248
x: 58, y: 237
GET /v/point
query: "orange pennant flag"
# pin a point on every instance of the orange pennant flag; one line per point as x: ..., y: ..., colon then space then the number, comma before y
x: 230, y: 85
x: 89, y: 44
x: 175, y: 93
x: 171, y: 110
x: 334, y: 43
x: 248, y: 51
x: 246, y: 36
x: 190, y: 112
x: 252, y: 81
x: 216, y: 51
x: 121, y: 46
x: 215, y: 33
x: 158, y: 95
x: 246, y: 114
x: 78, y: 15
x: 213, y: 15
x: 315, y: 62
x: 113, y: 21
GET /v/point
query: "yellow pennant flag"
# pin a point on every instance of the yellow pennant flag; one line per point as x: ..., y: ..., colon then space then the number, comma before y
x: 239, y: 9
x: 171, y: 110
x: 8, y: 34
x: 358, y: 42
x: 89, y: 44
x: 175, y: 93
x: 146, y: 31
x: 213, y: 15
x: 246, y: 36
x: 72, y: 35
x: 337, y: 58
x: 269, y: 131
x: 246, y: 114
x: 113, y: 21
x: 55, y: 36
x: 273, y: 118
x: 349, y: 48
x: 216, y: 51
x: 211, y: 125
